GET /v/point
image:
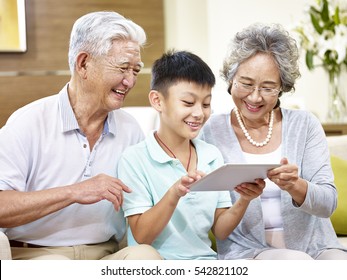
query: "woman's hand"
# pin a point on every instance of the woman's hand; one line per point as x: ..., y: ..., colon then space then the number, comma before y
x: 286, y: 176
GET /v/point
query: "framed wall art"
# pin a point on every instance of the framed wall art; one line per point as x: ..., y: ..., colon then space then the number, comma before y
x: 12, y: 26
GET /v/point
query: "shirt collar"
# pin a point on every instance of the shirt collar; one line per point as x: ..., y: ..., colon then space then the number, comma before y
x: 155, y: 150
x: 68, y: 118
x: 158, y: 154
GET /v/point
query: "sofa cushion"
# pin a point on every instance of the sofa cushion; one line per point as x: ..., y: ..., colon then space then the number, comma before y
x: 338, y: 218
x: 213, y: 240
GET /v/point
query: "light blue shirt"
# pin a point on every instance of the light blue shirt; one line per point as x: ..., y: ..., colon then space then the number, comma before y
x: 150, y: 172
x: 41, y: 147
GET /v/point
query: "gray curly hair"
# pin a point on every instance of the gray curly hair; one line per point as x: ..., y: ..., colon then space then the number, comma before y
x: 270, y: 39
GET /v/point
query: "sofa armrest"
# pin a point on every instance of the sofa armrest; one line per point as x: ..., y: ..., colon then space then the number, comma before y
x: 338, y: 152
x: 5, y: 249
x: 343, y: 240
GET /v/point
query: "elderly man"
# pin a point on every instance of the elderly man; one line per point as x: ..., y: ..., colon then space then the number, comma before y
x: 59, y: 196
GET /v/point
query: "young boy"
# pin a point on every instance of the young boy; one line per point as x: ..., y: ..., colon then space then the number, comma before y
x: 161, y: 210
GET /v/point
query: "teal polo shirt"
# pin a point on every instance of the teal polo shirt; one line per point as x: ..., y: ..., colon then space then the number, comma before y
x: 150, y: 172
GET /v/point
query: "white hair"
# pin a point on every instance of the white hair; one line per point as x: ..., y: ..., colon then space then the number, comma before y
x: 95, y: 32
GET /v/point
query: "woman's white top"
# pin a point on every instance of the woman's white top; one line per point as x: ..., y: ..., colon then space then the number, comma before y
x: 271, y: 196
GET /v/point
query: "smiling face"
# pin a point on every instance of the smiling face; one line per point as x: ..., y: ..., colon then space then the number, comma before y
x: 110, y: 78
x: 259, y: 71
x: 184, y: 109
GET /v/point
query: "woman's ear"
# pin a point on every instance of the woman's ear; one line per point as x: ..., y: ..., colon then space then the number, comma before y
x: 229, y: 87
x: 155, y: 99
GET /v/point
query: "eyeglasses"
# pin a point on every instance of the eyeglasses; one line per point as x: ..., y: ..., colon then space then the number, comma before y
x: 263, y: 91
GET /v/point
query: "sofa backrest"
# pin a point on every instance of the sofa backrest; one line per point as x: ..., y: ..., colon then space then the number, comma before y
x: 146, y: 116
x: 338, y: 146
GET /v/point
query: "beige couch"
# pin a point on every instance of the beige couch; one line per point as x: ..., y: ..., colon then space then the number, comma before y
x: 5, y: 250
x: 148, y: 120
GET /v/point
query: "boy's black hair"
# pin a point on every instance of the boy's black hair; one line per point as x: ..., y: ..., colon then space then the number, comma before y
x: 175, y: 66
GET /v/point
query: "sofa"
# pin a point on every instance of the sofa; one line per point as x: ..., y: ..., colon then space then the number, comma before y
x: 338, y: 154
x: 148, y: 119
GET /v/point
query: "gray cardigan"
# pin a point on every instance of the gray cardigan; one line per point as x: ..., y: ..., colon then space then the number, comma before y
x: 306, y: 228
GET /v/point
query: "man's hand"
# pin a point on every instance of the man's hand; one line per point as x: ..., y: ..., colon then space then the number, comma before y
x: 99, y: 188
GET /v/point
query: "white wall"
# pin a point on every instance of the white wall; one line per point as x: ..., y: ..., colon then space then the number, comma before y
x: 205, y: 27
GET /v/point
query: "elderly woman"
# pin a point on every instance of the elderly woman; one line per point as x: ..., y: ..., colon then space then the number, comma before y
x: 290, y: 220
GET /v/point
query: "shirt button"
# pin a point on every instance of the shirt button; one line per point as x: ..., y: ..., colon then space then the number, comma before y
x: 84, y: 145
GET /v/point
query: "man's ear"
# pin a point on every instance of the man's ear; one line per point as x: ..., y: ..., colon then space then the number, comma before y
x: 156, y: 99
x: 81, y: 64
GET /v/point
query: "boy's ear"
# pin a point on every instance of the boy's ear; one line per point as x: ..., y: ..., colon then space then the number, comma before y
x: 155, y: 99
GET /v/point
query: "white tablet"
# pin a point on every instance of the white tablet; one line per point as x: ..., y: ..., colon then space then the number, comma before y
x: 228, y: 176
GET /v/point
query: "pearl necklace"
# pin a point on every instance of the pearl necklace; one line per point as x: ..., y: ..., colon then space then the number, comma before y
x: 156, y: 136
x: 249, y: 138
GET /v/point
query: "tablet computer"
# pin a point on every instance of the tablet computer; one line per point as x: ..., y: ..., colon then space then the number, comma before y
x: 229, y: 175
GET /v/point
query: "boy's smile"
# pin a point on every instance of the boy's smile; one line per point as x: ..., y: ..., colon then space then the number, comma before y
x: 186, y: 108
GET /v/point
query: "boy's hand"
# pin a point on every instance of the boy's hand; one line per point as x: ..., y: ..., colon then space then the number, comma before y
x: 249, y: 191
x: 182, y: 186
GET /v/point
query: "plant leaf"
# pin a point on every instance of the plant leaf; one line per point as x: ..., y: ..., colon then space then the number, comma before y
x: 309, y: 60
x: 325, y: 11
x: 337, y: 16
x: 315, y: 23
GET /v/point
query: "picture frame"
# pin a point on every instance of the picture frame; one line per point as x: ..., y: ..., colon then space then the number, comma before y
x: 12, y: 26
